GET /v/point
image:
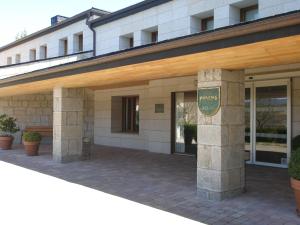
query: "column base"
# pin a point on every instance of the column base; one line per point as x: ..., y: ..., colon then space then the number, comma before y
x: 218, y: 196
x: 67, y: 158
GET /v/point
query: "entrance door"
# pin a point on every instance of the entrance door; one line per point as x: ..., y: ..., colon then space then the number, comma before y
x: 184, y: 122
x: 267, y: 118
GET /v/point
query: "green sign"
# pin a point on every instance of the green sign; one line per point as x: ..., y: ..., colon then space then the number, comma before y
x: 209, y: 100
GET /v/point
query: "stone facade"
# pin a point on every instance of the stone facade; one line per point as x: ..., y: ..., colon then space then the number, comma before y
x: 295, y: 106
x: 67, y: 123
x: 29, y: 110
x: 155, y: 128
x: 220, y: 167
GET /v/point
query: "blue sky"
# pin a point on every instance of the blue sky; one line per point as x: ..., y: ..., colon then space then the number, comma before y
x: 33, y: 15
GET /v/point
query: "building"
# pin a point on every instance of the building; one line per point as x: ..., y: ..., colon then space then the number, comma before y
x: 130, y: 79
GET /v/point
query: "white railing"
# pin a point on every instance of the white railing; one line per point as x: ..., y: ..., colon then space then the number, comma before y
x: 22, y: 68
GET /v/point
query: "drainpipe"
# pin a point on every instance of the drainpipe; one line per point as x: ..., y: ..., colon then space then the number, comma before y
x: 89, y: 24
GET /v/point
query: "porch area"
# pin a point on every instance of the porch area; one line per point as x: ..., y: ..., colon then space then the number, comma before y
x: 168, y: 183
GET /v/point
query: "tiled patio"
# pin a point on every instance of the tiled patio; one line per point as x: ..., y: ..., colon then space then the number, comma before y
x: 168, y: 182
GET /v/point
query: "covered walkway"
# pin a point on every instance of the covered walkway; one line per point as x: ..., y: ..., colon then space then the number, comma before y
x: 168, y: 182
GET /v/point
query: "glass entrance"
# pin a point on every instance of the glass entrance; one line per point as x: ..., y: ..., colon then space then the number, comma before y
x: 267, y: 118
x: 185, y: 123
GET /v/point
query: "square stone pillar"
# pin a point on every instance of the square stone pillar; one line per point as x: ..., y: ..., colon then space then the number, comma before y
x: 220, y: 165
x: 67, y: 123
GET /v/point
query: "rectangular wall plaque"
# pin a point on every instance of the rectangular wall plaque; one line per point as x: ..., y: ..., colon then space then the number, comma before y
x: 159, y: 108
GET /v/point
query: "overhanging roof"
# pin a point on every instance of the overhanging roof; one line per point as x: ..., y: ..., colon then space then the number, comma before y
x: 266, y: 42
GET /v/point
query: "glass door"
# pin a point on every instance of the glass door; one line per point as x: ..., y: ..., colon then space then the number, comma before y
x: 267, y: 118
x: 185, y: 122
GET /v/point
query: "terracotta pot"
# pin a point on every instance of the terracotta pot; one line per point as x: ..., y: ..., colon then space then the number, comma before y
x: 296, y: 186
x: 6, y: 142
x: 32, y: 148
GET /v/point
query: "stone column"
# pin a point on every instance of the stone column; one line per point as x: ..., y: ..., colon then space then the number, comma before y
x: 67, y: 124
x: 220, y: 165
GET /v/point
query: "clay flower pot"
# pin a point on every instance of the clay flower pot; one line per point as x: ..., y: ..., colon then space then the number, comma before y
x: 6, y: 142
x: 296, y: 186
x: 32, y: 148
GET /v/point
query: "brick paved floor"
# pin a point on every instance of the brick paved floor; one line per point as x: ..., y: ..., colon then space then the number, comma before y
x: 168, y: 182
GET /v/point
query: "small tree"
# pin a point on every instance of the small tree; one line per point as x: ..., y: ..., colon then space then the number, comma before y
x: 8, y: 125
x: 294, y: 165
x: 21, y: 34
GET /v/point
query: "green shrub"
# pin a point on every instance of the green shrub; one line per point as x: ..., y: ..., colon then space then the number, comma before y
x: 32, y: 137
x: 294, y: 165
x: 8, y: 125
x: 190, y: 133
x: 296, y: 143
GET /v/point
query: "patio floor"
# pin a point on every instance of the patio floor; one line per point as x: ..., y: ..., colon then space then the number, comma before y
x: 168, y: 182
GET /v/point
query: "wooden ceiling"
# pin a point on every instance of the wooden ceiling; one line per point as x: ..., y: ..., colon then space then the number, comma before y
x: 261, y: 54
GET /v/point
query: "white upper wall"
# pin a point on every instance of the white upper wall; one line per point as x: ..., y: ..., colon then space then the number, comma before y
x: 182, y: 17
x: 173, y: 19
x: 52, y: 42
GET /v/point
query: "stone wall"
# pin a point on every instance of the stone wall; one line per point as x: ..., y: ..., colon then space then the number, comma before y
x: 155, y: 128
x: 88, y: 113
x: 295, y: 106
x: 30, y: 110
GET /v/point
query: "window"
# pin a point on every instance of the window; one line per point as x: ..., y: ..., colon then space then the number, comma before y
x: 9, y: 60
x: 130, y: 114
x: 63, y: 47
x: 78, y: 43
x: 32, y: 55
x: 249, y: 13
x: 131, y: 42
x: 18, y: 58
x: 43, y: 52
x: 154, y: 36
x: 207, y: 24
x: 126, y: 41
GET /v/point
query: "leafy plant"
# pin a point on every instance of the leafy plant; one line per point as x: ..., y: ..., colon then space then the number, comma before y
x: 8, y: 125
x: 296, y: 143
x: 294, y: 165
x: 32, y: 137
x: 190, y: 133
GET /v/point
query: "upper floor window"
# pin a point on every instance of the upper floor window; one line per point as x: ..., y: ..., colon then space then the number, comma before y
x: 32, y: 55
x: 18, y: 58
x: 43, y: 52
x: 154, y: 36
x: 78, y: 43
x: 63, y: 47
x: 9, y: 60
x: 126, y: 41
x: 207, y: 23
x: 249, y: 13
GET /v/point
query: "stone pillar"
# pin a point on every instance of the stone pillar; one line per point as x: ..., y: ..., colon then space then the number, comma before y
x: 67, y: 124
x: 220, y: 165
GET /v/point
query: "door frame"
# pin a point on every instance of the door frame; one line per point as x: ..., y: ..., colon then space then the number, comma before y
x: 267, y: 83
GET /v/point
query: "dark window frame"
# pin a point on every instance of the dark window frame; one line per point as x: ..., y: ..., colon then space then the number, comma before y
x: 131, y: 42
x: 204, y: 23
x: 154, y: 36
x: 243, y: 12
x: 130, y: 116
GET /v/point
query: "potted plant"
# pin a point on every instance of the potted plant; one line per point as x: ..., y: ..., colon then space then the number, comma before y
x: 190, y: 133
x: 8, y: 127
x: 294, y: 172
x: 31, y: 141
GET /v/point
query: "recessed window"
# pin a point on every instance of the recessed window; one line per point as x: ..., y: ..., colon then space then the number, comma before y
x: 18, y: 58
x: 32, y: 55
x: 249, y: 13
x: 154, y: 36
x: 126, y: 41
x: 207, y: 24
x: 78, y: 43
x: 43, y: 52
x: 130, y: 114
x: 9, y: 60
x: 63, y: 47
x: 125, y: 114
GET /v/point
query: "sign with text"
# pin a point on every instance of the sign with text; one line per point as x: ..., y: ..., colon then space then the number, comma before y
x: 209, y: 100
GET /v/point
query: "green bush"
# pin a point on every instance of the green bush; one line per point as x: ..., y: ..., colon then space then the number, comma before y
x: 32, y: 137
x: 296, y: 143
x: 8, y: 125
x: 190, y: 133
x: 294, y: 165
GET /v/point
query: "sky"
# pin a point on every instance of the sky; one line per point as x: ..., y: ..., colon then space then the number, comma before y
x: 34, y: 15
